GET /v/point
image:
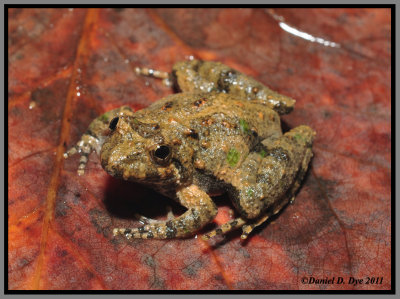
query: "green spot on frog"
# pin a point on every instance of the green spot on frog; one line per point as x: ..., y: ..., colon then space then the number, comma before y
x: 244, y: 126
x: 249, y: 192
x: 263, y: 153
x: 105, y: 117
x: 233, y: 157
x: 298, y: 137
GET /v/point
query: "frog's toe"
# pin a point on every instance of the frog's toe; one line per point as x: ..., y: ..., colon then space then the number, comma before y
x: 82, y: 161
x: 143, y: 219
x: 134, y: 233
x: 72, y: 151
x: 146, y: 220
x: 224, y: 228
x: 248, y: 228
x: 165, y: 76
x: 156, y: 229
x: 170, y: 214
x: 84, y: 147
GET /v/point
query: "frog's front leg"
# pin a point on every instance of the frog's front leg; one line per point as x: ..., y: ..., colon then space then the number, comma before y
x: 201, y: 210
x: 93, y: 138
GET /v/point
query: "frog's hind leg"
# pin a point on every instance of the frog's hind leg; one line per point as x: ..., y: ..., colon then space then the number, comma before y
x: 289, y: 197
x: 201, y: 210
x: 270, y: 176
x: 300, y: 175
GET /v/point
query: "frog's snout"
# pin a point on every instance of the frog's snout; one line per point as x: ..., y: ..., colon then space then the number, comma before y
x: 109, y: 161
x: 125, y: 159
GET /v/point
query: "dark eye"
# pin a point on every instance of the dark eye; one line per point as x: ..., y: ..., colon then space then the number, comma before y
x: 162, y: 154
x: 113, y: 123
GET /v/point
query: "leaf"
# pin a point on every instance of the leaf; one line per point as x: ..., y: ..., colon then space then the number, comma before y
x: 71, y: 65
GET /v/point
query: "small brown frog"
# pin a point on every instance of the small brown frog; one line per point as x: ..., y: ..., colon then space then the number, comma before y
x: 222, y: 133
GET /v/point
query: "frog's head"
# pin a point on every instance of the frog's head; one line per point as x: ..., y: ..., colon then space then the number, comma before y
x: 138, y: 151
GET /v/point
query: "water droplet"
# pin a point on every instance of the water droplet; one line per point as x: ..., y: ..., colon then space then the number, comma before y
x: 32, y: 105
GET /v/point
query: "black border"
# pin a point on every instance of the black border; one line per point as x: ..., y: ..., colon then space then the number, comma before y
x: 393, y: 150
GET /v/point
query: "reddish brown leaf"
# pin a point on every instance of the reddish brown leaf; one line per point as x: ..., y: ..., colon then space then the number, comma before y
x: 70, y: 65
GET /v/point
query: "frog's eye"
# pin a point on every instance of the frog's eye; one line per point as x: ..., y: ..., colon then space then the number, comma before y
x: 161, y: 154
x: 113, y: 123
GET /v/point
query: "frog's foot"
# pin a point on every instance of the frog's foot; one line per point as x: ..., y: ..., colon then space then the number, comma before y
x: 247, y: 225
x: 201, y: 210
x: 165, y: 76
x: 236, y: 223
x: 224, y: 228
x: 84, y: 147
x: 181, y: 226
x: 248, y: 228
x: 145, y: 220
x: 94, y: 137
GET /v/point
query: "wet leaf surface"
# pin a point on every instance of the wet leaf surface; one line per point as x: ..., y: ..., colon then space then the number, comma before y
x: 70, y: 65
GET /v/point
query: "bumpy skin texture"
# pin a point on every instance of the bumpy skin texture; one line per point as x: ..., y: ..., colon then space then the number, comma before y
x: 208, y: 76
x: 221, y: 134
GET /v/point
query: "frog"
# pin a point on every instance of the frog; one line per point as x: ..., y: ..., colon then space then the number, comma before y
x: 219, y: 133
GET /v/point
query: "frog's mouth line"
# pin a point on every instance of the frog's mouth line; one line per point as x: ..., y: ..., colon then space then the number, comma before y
x: 172, y: 175
x: 113, y: 171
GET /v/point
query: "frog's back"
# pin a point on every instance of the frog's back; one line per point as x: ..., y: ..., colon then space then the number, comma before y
x: 209, y: 114
x: 209, y: 76
x: 219, y: 128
